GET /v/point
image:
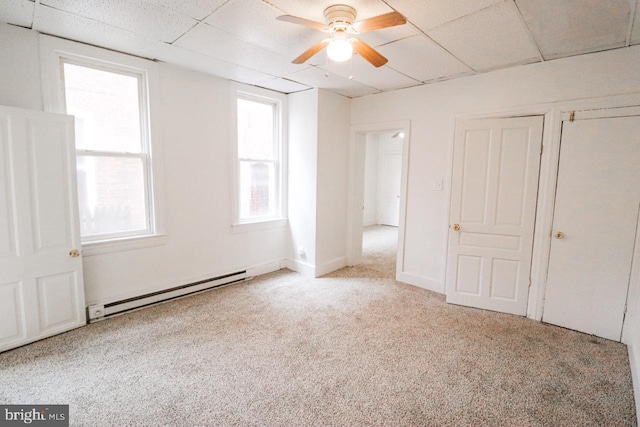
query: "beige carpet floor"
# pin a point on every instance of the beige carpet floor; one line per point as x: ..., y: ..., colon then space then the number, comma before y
x: 353, y: 348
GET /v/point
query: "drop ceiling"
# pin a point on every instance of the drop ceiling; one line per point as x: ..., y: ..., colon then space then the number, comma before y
x: 241, y: 40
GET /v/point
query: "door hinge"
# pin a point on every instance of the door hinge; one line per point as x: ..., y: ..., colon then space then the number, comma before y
x: 625, y: 309
x: 541, y: 148
x: 572, y: 116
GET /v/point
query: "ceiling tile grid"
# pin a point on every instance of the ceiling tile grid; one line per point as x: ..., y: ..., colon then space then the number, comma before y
x: 572, y: 27
x: 492, y: 38
x: 428, y: 14
x: 316, y: 77
x: 17, y: 12
x: 196, y: 9
x: 255, y: 22
x: 242, y: 40
x: 219, y: 44
x: 135, y: 16
x: 360, y: 71
x: 422, y: 59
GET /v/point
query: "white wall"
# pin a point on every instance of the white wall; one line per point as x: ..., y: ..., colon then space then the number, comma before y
x: 333, y: 162
x: 20, y: 84
x: 370, y: 211
x: 196, y: 143
x: 303, y: 165
x: 192, y: 122
x: 432, y: 110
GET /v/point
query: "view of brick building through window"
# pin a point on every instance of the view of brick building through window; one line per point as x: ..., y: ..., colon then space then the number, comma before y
x: 258, y: 160
x: 110, y: 151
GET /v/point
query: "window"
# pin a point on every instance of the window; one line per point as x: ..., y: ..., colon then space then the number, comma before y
x: 259, y: 158
x: 112, y: 148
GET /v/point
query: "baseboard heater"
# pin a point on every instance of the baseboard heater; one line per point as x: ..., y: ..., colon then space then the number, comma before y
x: 98, y: 312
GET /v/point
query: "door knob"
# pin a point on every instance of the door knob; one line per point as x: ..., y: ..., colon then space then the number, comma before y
x: 558, y: 235
x: 74, y: 253
x: 456, y: 227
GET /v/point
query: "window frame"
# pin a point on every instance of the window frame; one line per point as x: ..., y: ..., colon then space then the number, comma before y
x: 145, y: 146
x: 54, y: 53
x: 278, y: 101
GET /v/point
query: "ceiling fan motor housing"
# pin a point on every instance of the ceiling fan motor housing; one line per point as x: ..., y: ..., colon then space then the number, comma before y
x: 339, y: 16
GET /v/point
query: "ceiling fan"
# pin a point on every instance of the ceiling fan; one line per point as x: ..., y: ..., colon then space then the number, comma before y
x: 340, y: 24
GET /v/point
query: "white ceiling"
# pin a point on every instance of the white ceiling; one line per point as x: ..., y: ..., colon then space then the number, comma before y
x: 241, y: 39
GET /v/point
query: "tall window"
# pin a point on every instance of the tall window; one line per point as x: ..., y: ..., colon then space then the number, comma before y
x: 259, y: 152
x: 112, y: 150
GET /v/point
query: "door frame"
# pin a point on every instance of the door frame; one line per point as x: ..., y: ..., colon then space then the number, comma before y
x: 357, y: 144
x: 553, y: 115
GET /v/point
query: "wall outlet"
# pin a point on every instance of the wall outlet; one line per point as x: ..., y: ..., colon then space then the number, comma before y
x: 95, y: 311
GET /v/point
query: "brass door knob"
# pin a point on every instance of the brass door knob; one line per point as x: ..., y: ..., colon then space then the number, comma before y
x: 74, y: 253
x: 456, y: 227
x: 558, y: 235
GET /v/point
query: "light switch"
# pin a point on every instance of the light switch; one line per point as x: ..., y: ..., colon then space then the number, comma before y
x: 437, y: 185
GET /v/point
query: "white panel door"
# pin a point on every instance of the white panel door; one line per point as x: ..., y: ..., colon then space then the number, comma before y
x: 389, y: 193
x: 41, y: 286
x: 596, y: 214
x: 494, y: 192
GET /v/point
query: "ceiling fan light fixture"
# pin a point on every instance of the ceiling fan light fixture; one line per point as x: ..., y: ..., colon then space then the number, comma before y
x: 339, y: 50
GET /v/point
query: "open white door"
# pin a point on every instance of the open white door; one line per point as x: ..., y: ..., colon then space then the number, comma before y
x: 389, y: 192
x: 594, y: 223
x: 493, y: 202
x: 41, y: 286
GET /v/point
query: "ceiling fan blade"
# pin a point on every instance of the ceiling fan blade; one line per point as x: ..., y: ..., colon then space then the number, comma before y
x: 311, y: 51
x: 369, y: 53
x: 390, y: 19
x: 301, y: 21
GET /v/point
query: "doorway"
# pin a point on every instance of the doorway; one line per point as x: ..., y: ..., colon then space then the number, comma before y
x: 382, y: 186
x: 378, y: 187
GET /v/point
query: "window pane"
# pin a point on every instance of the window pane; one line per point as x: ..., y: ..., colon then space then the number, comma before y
x: 106, y: 107
x: 255, y: 130
x: 111, y: 195
x: 257, y: 190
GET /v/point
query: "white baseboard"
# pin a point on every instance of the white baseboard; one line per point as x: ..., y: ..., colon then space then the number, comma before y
x: 634, y: 362
x: 331, y: 266
x: 421, y: 282
x: 301, y: 267
x: 264, y: 268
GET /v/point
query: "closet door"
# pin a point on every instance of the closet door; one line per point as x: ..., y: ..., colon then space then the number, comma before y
x: 41, y: 286
x: 595, y: 223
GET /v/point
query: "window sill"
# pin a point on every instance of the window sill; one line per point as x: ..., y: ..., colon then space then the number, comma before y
x: 246, y: 227
x: 124, y: 244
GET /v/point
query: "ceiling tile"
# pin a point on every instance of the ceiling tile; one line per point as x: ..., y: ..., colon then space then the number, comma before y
x: 135, y: 16
x: 219, y: 44
x: 493, y: 38
x: 316, y: 77
x: 284, y: 85
x: 635, y: 33
x: 383, y: 78
x: 74, y: 27
x: 17, y: 12
x: 255, y: 22
x: 571, y: 27
x: 428, y: 14
x: 388, y: 35
x: 208, y: 65
x: 197, y: 9
x: 422, y: 59
x: 313, y: 9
